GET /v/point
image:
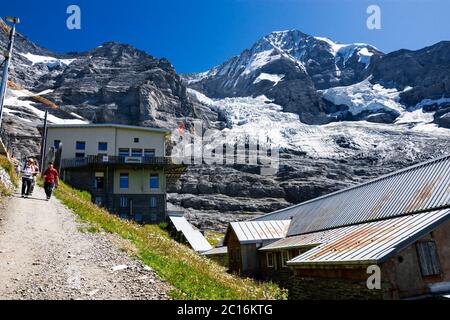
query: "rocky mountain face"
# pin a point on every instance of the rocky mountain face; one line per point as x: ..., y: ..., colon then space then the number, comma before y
x: 111, y: 83
x: 425, y: 72
x: 339, y: 114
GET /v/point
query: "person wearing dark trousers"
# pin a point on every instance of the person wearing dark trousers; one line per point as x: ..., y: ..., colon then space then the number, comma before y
x: 27, y: 178
x: 36, y: 172
x: 50, y: 180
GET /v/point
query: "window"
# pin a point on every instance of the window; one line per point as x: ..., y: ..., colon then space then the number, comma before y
x: 149, y: 152
x: 269, y: 259
x: 136, y: 152
x: 138, y: 217
x: 285, y: 256
x: 56, y: 143
x: 123, y: 202
x: 99, y: 201
x: 136, y: 140
x: 154, y: 181
x: 153, y: 217
x: 102, y: 146
x: 99, y: 183
x: 79, y: 155
x: 123, y: 183
x: 428, y: 258
x: 123, y: 216
x: 80, y: 145
x: 153, y: 202
x: 124, y: 152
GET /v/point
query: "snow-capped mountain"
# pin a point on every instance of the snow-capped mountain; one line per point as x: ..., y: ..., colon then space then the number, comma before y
x: 324, y: 81
x: 288, y: 67
x: 328, y: 63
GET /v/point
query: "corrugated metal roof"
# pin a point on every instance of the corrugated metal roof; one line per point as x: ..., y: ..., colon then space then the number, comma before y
x: 371, y: 242
x: 195, y: 238
x: 216, y: 250
x: 425, y: 186
x: 256, y: 231
x: 303, y: 240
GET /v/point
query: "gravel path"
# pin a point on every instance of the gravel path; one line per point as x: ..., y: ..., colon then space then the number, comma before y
x: 44, y: 254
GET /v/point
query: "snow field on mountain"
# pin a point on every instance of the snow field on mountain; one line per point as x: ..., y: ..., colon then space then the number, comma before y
x: 364, y: 96
x: 259, y: 117
x: 15, y: 101
x: 50, y: 61
x: 275, y: 78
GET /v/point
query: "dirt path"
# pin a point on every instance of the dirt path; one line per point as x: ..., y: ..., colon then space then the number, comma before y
x: 45, y: 255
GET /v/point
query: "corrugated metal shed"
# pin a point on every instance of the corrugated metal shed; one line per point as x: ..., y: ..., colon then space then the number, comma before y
x: 195, y: 238
x: 257, y: 231
x: 372, y: 242
x: 422, y: 187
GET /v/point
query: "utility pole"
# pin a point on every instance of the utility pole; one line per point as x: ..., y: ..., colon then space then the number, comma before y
x: 43, y: 142
x: 8, y: 55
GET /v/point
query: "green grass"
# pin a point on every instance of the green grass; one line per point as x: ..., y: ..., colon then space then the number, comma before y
x: 192, y: 276
x: 213, y: 237
x: 9, y: 168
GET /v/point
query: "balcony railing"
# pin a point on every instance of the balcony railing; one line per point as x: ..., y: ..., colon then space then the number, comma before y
x: 114, y: 160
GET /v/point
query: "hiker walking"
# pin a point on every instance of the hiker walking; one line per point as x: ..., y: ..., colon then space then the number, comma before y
x: 36, y: 172
x: 50, y: 180
x: 27, y: 178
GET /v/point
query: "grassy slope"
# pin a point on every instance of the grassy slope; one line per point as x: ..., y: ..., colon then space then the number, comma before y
x: 9, y: 168
x: 193, y: 276
x: 213, y: 237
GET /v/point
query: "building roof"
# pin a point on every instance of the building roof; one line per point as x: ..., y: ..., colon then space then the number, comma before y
x: 301, y: 241
x: 367, y: 243
x: 257, y: 231
x: 419, y: 188
x: 107, y: 125
x: 216, y: 251
x: 195, y: 238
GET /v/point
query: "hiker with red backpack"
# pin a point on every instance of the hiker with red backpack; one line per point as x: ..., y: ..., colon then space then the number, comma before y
x: 51, y: 180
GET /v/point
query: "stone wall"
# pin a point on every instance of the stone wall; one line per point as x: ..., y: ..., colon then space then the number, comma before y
x: 304, y: 288
x: 311, y: 287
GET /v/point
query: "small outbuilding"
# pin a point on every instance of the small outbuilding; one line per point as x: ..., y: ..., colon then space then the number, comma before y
x: 243, y: 239
x: 184, y: 232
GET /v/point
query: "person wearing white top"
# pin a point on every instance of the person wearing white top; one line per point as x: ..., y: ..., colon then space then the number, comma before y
x: 27, y: 178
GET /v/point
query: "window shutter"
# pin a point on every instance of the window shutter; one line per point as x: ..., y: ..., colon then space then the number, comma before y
x: 428, y: 258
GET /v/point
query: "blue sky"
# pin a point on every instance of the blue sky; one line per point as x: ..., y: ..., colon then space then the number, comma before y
x: 198, y: 34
